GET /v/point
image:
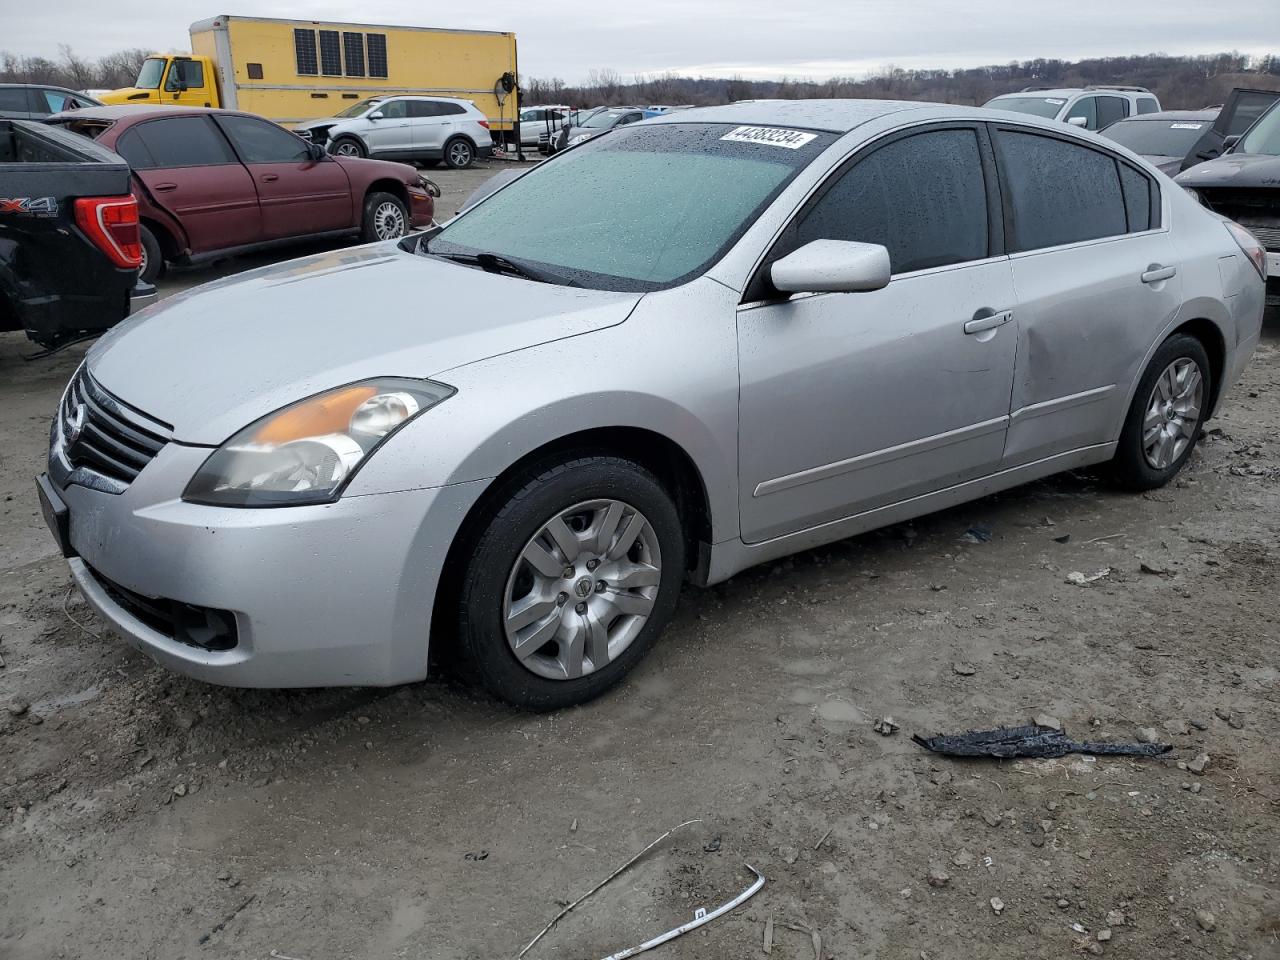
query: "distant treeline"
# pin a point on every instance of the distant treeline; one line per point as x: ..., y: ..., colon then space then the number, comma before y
x: 117, y: 69
x: 1179, y: 82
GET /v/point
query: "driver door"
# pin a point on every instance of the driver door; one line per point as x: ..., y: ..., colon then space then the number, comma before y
x: 853, y: 401
x: 392, y: 134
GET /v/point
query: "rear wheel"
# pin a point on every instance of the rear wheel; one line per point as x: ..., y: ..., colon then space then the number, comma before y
x: 152, y: 259
x: 458, y: 153
x: 349, y: 147
x: 385, y: 218
x: 1167, y: 415
x: 570, y: 581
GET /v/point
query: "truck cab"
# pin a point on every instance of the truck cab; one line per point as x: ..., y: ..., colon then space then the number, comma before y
x: 172, y: 79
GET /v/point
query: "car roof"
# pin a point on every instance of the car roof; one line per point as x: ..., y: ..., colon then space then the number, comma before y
x: 41, y: 86
x: 141, y: 111
x: 1072, y: 91
x: 835, y: 116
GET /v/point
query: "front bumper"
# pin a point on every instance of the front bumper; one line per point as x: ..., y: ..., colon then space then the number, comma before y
x: 337, y: 594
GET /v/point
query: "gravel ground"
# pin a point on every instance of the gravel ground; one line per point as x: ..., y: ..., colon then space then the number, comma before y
x: 146, y: 815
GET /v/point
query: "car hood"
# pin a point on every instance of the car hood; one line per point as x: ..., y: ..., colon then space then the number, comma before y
x: 1234, y: 170
x: 214, y: 359
x: 322, y: 122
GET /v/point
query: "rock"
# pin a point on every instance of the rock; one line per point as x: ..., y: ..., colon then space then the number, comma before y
x: 1148, y: 735
x: 963, y: 669
x: 940, y: 778
x: 992, y: 818
x: 963, y: 858
x: 18, y: 706
x: 1063, y: 903
x: 1048, y: 720
x: 1115, y: 918
x: 711, y: 846
x: 997, y: 906
x: 789, y: 854
x: 937, y: 876
x: 885, y: 726
x: 1206, y: 921
x: 1095, y: 949
x: 180, y: 790
x: 573, y: 828
x: 1198, y: 724
x: 1104, y: 934
x: 1077, y: 578
x: 1195, y: 788
x: 1154, y: 570
x: 1179, y: 728
x: 1199, y: 764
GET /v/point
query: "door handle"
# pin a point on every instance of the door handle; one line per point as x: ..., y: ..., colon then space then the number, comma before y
x: 270, y: 177
x: 1155, y: 273
x: 164, y: 187
x: 987, y: 319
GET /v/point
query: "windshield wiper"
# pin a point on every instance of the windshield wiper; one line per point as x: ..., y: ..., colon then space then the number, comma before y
x: 497, y: 263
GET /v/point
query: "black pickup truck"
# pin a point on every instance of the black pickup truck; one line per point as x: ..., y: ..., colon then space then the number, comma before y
x: 69, y: 244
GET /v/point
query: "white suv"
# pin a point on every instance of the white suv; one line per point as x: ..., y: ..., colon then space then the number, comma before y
x: 405, y: 128
x: 1089, y: 107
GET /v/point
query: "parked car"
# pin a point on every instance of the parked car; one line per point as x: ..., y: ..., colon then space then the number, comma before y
x: 549, y: 143
x: 536, y: 122
x: 429, y: 129
x: 842, y: 314
x: 1163, y: 139
x: 1244, y: 185
x: 1242, y: 109
x: 212, y: 183
x: 1089, y: 107
x: 69, y: 244
x: 35, y: 101
x: 600, y: 122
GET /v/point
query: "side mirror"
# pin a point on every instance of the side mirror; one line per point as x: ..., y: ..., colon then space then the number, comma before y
x: 1229, y: 143
x: 316, y: 152
x: 376, y: 115
x: 832, y: 266
x: 1077, y: 122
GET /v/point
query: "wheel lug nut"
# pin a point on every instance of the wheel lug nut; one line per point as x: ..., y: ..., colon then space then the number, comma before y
x: 562, y: 598
x: 592, y: 564
x: 581, y: 608
x: 567, y: 573
x: 600, y: 586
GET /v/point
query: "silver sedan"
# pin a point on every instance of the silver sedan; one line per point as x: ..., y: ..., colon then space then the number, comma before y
x: 677, y: 350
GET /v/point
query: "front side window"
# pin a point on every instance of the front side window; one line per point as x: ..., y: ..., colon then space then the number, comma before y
x: 55, y: 101
x: 185, y: 75
x: 394, y: 109
x: 923, y: 198
x: 150, y: 74
x: 1084, y: 109
x: 184, y: 142
x: 1061, y: 192
x: 1111, y: 109
x: 258, y: 141
x: 591, y: 214
x: 1264, y: 136
x: 1046, y: 107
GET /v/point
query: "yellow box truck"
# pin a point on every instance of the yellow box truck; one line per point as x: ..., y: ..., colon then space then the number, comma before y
x: 294, y: 70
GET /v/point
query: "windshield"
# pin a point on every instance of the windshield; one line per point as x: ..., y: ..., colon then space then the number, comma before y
x: 1036, y: 106
x: 1157, y: 138
x: 1263, y: 136
x: 356, y: 108
x: 606, y: 118
x: 640, y: 209
x: 150, y: 74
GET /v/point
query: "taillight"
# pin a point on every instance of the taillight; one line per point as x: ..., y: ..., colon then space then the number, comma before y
x: 112, y: 224
x: 483, y: 123
x: 1250, y: 245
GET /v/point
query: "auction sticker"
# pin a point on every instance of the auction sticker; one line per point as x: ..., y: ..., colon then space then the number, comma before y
x: 1185, y: 126
x: 770, y: 136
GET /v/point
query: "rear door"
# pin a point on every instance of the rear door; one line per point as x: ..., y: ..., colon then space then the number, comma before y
x: 296, y: 194
x: 189, y: 170
x: 430, y: 126
x: 392, y: 133
x: 15, y: 103
x: 1242, y: 108
x: 1096, y: 277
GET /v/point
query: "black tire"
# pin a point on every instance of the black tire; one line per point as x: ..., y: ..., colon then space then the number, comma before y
x: 348, y: 147
x: 152, y: 258
x: 458, y: 153
x: 377, y: 220
x: 523, y: 506
x: 1130, y: 466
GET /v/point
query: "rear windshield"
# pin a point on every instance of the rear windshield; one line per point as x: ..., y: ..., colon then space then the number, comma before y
x: 638, y: 208
x: 1158, y: 138
x: 1036, y: 106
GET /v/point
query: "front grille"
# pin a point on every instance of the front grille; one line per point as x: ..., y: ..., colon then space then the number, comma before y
x: 202, y: 627
x: 1269, y: 237
x: 104, y: 435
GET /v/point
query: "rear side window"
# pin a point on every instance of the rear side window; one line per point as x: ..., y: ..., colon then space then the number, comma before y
x: 259, y: 141
x: 1111, y: 109
x: 424, y: 108
x: 1061, y: 192
x: 14, y: 100
x: 1148, y: 105
x: 183, y: 142
x: 923, y: 198
x: 131, y: 147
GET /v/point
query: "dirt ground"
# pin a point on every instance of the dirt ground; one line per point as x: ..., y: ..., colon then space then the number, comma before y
x: 144, y: 815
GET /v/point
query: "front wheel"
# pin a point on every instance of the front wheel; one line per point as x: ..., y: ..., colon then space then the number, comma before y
x: 385, y: 218
x: 349, y: 147
x: 458, y: 153
x: 570, y: 582
x: 1166, y: 416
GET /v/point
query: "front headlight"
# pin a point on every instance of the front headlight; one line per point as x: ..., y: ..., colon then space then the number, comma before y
x: 579, y: 138
x: 308, y: 451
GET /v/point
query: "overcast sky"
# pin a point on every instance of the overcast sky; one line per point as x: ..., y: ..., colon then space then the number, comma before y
x: 757, y: 38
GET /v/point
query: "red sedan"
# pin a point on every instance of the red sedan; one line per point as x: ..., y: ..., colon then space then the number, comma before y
x: 213, y: 183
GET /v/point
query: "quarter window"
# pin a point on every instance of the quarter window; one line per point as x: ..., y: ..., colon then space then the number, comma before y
x: 1061, y: 192
x: 923, y: 198
x: 1139, y: 198
x: 183, y: 142
x: 258, y: 141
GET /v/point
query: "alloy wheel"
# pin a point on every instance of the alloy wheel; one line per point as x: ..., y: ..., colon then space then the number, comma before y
x: 582, y: 589
x: 459, y: 154
x: 388, y: 221
x: 1173, y: 413
x: 347, y: 149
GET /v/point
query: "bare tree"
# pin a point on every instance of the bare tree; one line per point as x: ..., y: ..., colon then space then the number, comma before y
x: 80, y: 74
